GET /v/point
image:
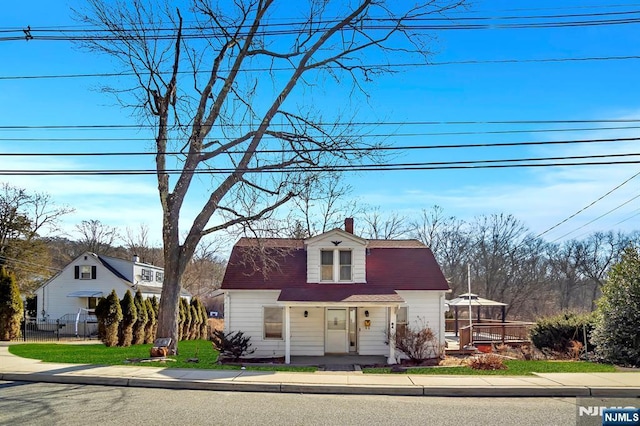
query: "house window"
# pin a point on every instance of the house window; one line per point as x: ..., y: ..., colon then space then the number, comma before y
x: 401, y: 320
x: 160, y: 277
x: 147, y: 275
x: 85, y: 272
x: 345, y: 265
x: 273, y: 322
x: 326, y: 262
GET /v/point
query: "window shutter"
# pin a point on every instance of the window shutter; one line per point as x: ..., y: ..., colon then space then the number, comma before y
x: 94, y: 270
x: 76, y: 273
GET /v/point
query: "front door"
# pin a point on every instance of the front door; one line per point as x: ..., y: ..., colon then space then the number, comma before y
x: 336, y: 341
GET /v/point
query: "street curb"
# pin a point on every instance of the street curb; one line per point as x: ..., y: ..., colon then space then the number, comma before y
x: 439, y: 391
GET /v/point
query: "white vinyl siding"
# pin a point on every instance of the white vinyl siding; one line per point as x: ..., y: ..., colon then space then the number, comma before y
x: 372, y: 340
x: 243, y: 312
x: 307, y: 334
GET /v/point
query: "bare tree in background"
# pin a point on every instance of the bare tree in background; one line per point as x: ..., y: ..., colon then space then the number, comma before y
x: 217, y: 92
x: 381, y: 226
x: 450, y: 241
x: 321, y: 206
x: 96, y: 237
x: 137, y: 244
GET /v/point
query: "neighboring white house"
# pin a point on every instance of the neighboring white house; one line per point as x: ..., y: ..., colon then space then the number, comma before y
x: 89, y: 277
x: 335, y: 293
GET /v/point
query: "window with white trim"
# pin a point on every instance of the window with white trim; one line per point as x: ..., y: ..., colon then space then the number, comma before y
x: 326, y: 262
x: 345, y: 265
x: 273, y: 322
x: 159, y: 276
x: 85, y: 272
x: 147, y: 275
x: 336, y: 265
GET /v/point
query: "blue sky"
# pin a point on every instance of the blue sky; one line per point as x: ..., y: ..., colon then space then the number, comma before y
x: 528, y: 91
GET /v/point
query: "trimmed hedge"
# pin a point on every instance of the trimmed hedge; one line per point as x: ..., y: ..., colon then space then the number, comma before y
x: 556, y: 333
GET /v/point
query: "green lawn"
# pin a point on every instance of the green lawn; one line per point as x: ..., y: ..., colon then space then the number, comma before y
x: 514, y: 368
x: 98, y: 354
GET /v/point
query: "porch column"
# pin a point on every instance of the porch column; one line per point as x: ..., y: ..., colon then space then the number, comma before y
x: 287, y: 335
x: 392, y: 335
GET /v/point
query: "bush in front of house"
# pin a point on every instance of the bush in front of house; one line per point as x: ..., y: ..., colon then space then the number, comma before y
x: 487, y: 362
x: 617, y: 331
x: 204, y: 327
x: 559, y: 334
x: 195, y: 322
x: 11, y: 306
x: 186, y: 319
x: 232, y: 345
x: 139, y: 327
x: 129, y: 318
x: 418, y: 343
x: 109, y: 314
x: 150, y: 327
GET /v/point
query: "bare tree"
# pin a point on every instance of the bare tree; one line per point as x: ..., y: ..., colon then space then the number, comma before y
x: 137, y: 244
x: 96, y: 237
x: 218, y: 94
x: 450, y: 241
x: 322, y: 205
x: 383, y: 226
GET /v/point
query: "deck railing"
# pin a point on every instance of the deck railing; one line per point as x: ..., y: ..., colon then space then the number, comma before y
x: 510, y: 332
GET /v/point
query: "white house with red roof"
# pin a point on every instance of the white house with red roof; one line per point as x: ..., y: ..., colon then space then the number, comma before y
x: 335, y: 293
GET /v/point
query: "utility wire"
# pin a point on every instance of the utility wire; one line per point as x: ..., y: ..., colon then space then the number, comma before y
x: 387, y: 65
x: 480, y: 132
x: 445, y: 165
x: 587, y: 206
x: 347, y: 150
x: 337, y: 123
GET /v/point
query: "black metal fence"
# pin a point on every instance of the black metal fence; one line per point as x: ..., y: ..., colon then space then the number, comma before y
x: 40, y: 330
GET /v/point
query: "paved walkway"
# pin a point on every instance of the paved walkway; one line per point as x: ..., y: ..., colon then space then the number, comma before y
x: 623, y: 384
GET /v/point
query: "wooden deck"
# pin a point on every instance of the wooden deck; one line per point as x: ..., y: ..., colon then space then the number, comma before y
x: 495, y: 333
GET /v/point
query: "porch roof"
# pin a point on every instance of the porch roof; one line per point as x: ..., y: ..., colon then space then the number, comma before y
x: 351, y: 293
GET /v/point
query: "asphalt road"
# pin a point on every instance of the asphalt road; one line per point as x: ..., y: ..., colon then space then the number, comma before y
x: 24, y: 403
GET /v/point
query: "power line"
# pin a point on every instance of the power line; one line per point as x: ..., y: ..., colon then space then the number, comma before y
x: 362, y: 149
x: 386, y: 65
x: 587, y: 206
x: 598, y: 218
x: 337, y: 123
x: 444, y: 165
x: 480, y: 132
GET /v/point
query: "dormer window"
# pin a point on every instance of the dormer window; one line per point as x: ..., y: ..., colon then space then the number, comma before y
x: 335, y: 265
x: 345, y: 265
x: 327, y: 265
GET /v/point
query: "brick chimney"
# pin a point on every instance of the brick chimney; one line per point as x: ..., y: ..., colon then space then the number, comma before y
x: 348, y: 225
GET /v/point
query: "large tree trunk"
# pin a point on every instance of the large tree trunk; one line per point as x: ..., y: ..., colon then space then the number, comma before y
x: 169, y: 304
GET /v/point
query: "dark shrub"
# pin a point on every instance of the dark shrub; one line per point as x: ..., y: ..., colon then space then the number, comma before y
x: 139, y: 327
x: 129, y: 318
x: 559, y: 333
x: 11, y: 306
x: 109, y: 316
x: 232, y: 345
x: 150, y: 328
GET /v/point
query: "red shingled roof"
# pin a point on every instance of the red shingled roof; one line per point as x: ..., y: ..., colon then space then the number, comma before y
x: 390, y: 265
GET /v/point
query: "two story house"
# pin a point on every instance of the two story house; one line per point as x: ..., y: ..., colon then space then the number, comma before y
x: 335, y: 293
x: 89, y: 277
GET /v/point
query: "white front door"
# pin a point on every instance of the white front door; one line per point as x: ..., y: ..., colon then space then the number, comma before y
x: 336, y: 341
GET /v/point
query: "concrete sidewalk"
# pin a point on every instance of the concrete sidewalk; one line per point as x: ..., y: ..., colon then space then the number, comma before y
x: 623, y: 384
